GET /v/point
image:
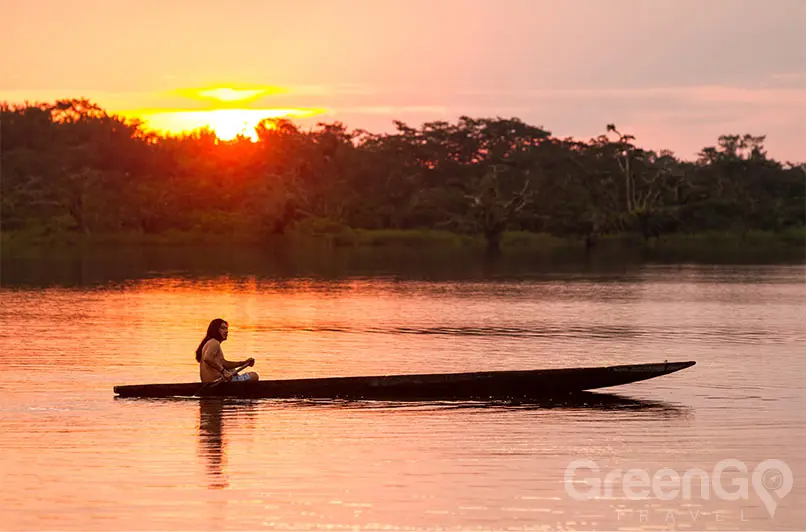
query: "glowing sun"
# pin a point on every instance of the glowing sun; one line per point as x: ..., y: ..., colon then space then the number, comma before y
x: 225, y: 120
x: 225, y: 123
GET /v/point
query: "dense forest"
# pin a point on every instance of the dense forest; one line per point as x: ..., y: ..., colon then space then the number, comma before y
x: 71, y: 166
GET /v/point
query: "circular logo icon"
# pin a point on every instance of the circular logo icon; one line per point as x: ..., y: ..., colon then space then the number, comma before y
x: 772, y: 479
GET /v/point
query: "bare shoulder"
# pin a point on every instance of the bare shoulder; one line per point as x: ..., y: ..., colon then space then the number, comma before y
x: 211, y: 348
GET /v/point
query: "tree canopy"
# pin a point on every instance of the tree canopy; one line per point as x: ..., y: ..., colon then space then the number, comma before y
x: 71, y: 165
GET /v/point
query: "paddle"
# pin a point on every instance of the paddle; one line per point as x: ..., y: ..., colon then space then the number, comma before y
x: 219, y: 380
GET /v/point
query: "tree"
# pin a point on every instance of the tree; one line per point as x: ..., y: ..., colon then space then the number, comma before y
x: 72, y: 166
x: 492, y: 210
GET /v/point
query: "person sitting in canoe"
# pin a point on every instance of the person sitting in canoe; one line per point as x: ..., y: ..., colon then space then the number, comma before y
x: 210, y: 357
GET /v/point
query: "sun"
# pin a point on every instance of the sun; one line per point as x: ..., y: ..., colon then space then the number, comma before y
x: 228, y: 111
x: 225, y: 123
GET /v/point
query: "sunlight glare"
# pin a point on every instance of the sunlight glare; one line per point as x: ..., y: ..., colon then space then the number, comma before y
x: 226, y: 94
x: 225, y: 123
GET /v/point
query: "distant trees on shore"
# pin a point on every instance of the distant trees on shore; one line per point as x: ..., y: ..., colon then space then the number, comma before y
x: 72, y: 166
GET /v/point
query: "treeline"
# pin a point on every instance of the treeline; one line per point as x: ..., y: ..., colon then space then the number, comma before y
x: 71, y: 166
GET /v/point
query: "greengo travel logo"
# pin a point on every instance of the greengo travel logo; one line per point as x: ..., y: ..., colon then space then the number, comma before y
x: 729, y: 480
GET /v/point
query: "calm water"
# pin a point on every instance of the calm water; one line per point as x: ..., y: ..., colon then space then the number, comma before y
x: 74, y: 458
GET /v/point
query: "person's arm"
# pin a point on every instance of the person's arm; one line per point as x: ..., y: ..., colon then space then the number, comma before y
x: 232, y: 365
x: 219, y: 367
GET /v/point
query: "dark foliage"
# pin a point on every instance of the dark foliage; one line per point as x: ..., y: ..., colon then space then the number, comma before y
x: 71, y: 166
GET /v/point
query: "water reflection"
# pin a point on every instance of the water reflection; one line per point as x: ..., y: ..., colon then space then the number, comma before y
x: 94, y: 266
x: 212, y: 437
x: 211, y: 441
x: 218, y: 416
x: 599, y: 401
x: 578, y: 401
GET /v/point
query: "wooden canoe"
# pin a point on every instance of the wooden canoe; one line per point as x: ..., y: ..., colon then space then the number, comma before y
x: 485, y: 385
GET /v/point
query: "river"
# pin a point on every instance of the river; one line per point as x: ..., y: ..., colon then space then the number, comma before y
x: 72, y: 457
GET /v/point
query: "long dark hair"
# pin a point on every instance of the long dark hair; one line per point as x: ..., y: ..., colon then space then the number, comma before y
x: 212, y: 332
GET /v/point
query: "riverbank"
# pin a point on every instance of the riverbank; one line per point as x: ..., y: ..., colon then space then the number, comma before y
x: 793, y: 239
x: 407, y: 254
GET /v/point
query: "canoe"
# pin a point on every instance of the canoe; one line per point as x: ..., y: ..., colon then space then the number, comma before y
x: 484, y: 385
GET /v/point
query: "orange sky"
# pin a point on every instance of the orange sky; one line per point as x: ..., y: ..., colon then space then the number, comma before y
x: 676, y: 73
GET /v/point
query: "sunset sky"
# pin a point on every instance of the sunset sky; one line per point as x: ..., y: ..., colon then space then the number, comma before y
x: 676, y: 73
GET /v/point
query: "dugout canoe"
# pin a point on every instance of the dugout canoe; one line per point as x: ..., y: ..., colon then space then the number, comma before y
x: 486, y: 385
